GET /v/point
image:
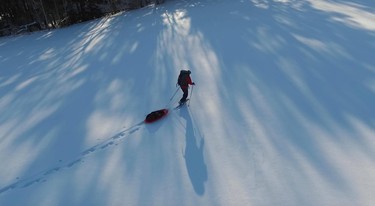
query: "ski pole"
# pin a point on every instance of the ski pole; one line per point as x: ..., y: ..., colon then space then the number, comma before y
x: 170, y: 100
x: 173, y: 95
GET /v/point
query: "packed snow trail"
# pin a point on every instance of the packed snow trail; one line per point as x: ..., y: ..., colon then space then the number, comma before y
x: 40, y: 177
x: 24, y: 182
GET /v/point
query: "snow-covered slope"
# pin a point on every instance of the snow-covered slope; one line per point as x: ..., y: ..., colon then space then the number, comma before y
x: 282, y: 112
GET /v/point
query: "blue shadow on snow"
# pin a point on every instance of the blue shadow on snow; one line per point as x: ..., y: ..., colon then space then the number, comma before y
x: 193, y: 154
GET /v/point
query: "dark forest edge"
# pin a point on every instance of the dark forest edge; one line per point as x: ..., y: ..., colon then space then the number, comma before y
x: 23, y: 16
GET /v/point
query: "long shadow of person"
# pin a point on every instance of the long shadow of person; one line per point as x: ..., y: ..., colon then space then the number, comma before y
x: 193, y: 155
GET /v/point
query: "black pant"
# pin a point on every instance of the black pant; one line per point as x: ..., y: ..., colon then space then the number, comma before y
x: 185, y: 95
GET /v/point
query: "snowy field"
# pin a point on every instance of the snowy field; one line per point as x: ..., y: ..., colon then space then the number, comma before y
x: 283, y: 111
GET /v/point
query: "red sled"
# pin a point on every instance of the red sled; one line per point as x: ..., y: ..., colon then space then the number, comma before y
x: 156, y: 115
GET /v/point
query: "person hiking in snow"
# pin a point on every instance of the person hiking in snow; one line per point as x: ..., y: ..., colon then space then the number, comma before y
x: 184, y: 81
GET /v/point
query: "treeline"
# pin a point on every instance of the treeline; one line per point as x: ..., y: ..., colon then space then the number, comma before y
x: 17, y: 16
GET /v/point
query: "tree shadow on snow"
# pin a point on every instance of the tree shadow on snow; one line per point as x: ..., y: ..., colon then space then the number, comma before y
x: 297, y: 62
x: 69, y: 86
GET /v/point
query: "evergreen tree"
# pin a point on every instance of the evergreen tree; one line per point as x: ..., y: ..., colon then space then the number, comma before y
x: 28, y: 15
